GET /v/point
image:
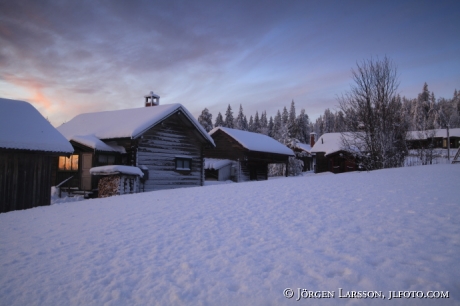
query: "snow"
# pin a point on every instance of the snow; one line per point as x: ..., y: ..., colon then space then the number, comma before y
x: 328, y: 143
x: 242, y: 243
x: 255, y: 141
x: 23, y: 127
x: 124, y: 123
x: 116, y: 169
x: 438, y: 133
x: 93, y: 142
x: 303, y: 147
x: 216, y: 164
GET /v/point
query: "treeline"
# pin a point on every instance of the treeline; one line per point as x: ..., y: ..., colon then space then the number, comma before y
x: 421, y: 113
x: 284, y: 127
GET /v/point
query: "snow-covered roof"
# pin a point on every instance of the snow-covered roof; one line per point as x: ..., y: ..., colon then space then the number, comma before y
x: 332, y: 142
x: 328, y: 143
x: 124, y: 123
x: 419, y: 135
x: 303, y: 147
x: 116, y: 169
x: 95, y: 143
x: 23, y: 127
x: 255, y: 141
x: 216, y: 164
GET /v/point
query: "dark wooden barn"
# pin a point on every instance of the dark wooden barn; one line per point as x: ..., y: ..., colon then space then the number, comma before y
x: 252, y: 152
x: 28, y: 146
x: 328, y: 155
x: 165, y: 141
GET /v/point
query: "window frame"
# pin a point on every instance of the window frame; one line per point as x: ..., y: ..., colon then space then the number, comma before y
x: 73, y: 160
x: 180, y: 164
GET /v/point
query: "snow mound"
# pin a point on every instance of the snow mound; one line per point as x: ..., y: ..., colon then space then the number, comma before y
x: 242, y: 244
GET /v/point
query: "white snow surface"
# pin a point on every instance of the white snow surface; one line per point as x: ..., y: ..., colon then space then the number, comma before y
x: 437, y: 133
x: 303, y: 147
x: 242, y: 243
x: 115, y: 169
x: 23, y: 127
x: 328, y: 143
x: 215, y: 163
x: 93, y: 142
x: 255, y: 141
x: 124, y: 123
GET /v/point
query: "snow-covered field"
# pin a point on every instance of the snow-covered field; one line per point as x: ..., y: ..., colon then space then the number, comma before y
x: 242, y: 244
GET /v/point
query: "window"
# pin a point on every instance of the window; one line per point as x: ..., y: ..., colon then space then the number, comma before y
x: 68, y: 163
x: 183, y: 163
x: 104, y: 160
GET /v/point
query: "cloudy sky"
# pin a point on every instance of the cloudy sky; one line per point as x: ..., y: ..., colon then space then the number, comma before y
x: 69, y: 57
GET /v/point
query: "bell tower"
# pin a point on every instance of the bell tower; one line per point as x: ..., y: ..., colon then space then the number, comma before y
x: 152, y: 99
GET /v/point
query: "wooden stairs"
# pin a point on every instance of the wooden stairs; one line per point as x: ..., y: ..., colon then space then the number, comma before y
x: 456, y: 159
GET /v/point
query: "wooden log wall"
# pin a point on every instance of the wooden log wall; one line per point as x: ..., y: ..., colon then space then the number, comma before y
x: 157, y: 150
x: 25, y: 180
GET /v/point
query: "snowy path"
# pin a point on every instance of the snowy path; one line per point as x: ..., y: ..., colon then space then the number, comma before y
x: 242, y: 244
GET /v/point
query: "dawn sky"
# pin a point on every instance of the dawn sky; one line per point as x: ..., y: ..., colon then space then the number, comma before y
x: 70, y: 57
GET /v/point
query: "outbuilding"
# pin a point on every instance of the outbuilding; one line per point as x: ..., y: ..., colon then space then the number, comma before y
x: 250, y: 152
x: 28, y: 146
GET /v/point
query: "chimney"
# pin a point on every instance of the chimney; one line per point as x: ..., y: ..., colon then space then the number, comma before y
x: 152, y: 99
x: 312, y: 139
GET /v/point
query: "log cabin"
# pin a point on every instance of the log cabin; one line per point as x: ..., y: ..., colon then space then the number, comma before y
x: 432, y: 146
x: 28, y: 145
x: 250, y: 152
x: 165, y: 141
x: 328, y: 155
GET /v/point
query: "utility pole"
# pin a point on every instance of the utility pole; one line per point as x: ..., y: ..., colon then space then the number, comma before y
x: 448, y: 144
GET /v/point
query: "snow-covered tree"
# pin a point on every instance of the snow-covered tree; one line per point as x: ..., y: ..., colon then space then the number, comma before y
x: 264, y: 123
x: 228, y: 122
x: 285, y: 116
x: 256, y: 126
x: 251, y: 124
x: 303, y: 127
x: 205, y: 119
x: 277, y: 123
x: 291, y: 123
x: 375, y: 129
x: 219, y: 120
x: 240, y: 122
x: 270, y: 127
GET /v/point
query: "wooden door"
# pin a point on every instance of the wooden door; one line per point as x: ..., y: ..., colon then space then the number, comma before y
x: 86, y: 164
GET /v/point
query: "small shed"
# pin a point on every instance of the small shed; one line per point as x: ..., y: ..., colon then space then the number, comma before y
x: 28, y: 145
x: 218, y: 169
x: 117, y: 180
x: 250, y: 152
x: 329, y: 155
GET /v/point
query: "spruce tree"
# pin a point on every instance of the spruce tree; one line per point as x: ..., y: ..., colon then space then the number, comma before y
x: 229, y: 118
x: 270, y: 127
x: 251, y: 124
x: 291, y: 122
x: 256, y: 126
x: 219, y: 120
x: 264, y: 123
x: 240, y: 123
x: 284, y: 116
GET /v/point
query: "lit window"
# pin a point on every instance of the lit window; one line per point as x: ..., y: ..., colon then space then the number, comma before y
x: 183, y: 163
x: 68, y: 163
